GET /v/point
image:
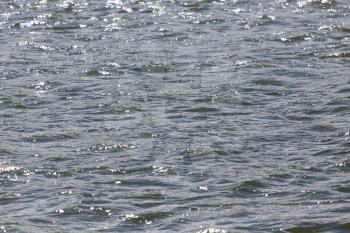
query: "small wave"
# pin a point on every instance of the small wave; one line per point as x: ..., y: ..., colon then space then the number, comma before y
x: 146, y: 218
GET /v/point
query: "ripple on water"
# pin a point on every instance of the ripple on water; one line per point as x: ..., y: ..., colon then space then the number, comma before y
x: 110, y: 148
x: 249, y: 188
x: 49, y: 138
x: 121, y: 110
x: 146, y: 218
x: 95, y: 72
x: 296, y: 38
x: 269, y: 82
x: 196, y: 6
x: 153, y: 67
x: 338, y: 55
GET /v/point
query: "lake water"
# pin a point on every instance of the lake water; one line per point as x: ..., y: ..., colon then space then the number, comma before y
x: 174, y: 116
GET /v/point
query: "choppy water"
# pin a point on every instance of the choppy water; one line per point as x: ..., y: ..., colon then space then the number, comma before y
x: 174, y: 116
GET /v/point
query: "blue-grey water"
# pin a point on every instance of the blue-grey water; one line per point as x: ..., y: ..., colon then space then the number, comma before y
x: 174, y: 116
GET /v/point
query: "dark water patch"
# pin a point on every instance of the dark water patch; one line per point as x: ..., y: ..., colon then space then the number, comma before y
x: 58, y: 159
x: 323, y: 152
x: 148, y: 196
x: 322, y: 227
x: 142, y: 182
x: 233, y: 113
x: 64, y: 28
x: 315, y: 111
x: 232, y: 152
x: 343, y: 189
x: 197, y: 198
x: 41, y: 221
x: 340, y: 109
x: 304, y: 180
x: 202, y: 110
x: 344, y: 90
x: 268, y: 82
x: 249, y: 187
x: 281, y: 177
x: 4, y: 152
x: 322, y: 128
x: 344, y: 226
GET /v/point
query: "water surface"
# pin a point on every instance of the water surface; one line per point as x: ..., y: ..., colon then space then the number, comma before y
x: 174, y: 116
